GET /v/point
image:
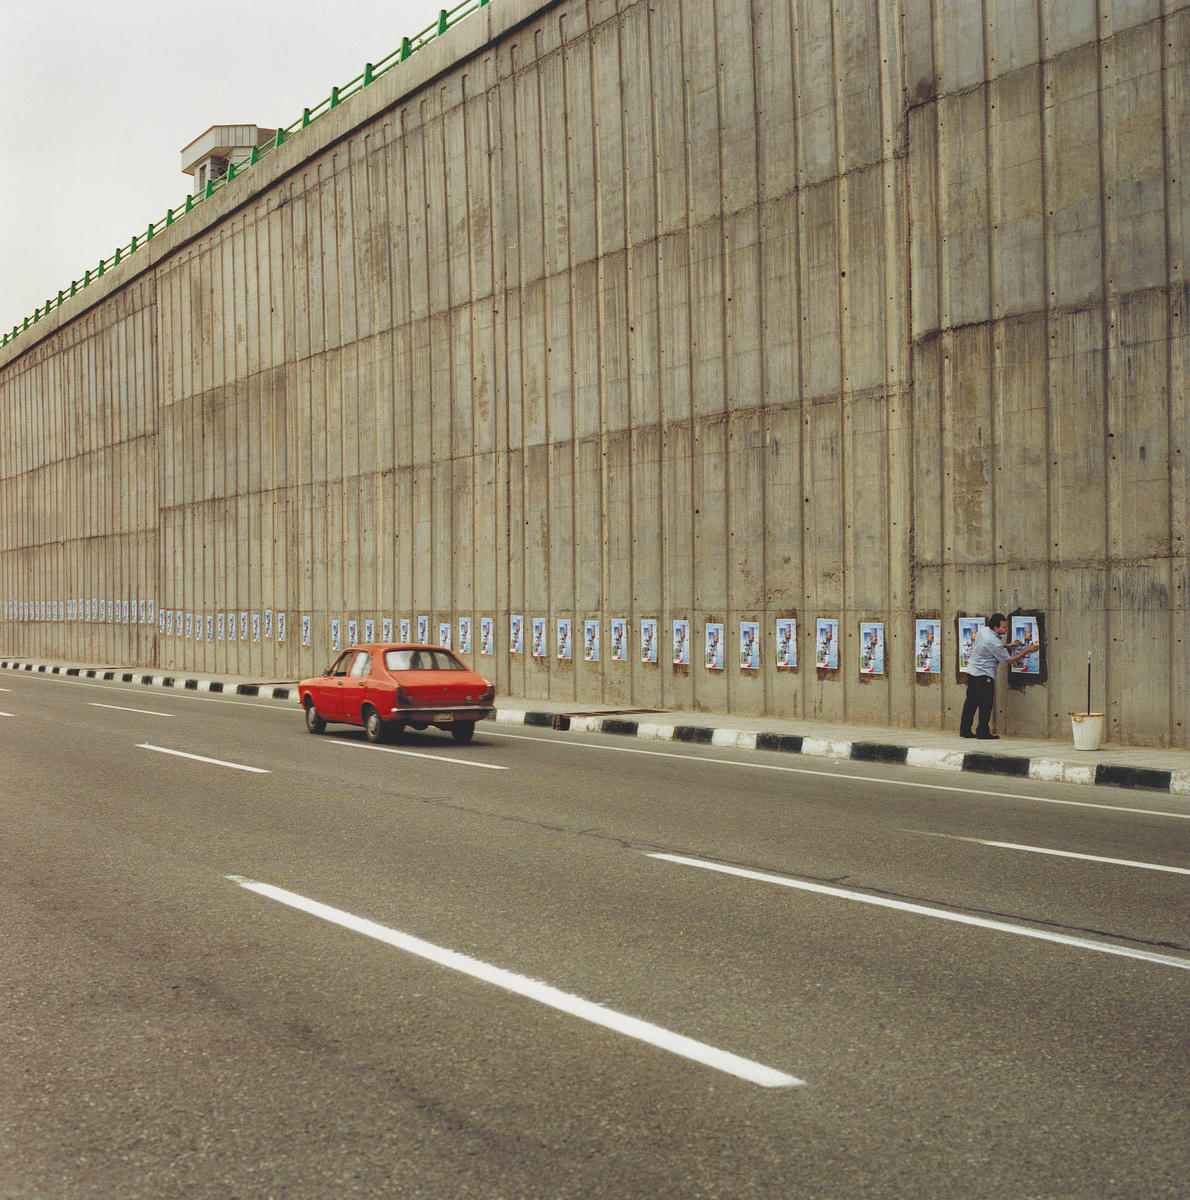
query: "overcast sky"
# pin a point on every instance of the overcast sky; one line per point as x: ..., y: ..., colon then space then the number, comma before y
x: 99, y: 96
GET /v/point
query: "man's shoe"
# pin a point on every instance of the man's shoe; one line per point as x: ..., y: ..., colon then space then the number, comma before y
x: 988, y: 737
x: 965, y: 733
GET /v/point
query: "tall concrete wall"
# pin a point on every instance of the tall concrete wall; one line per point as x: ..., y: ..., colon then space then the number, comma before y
x: 713, y: 310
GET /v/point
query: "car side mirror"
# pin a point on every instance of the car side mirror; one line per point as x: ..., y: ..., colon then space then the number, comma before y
x: 328, y: 671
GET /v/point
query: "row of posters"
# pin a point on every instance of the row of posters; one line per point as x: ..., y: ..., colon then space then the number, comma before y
x: 270, y: 625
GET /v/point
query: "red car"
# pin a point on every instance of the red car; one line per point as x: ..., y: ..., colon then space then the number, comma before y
x: 385, y: 688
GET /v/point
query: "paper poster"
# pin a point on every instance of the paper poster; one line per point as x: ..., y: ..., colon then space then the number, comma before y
x: 749, y: 645
x: 169, y: 622
x: 565, y: 645
x: 386, y: 628
x: 1025, y: 631
x: 539, y: 637
x: 444, y: 634
x: 125, y: 611
x: 681, y: 643
x: 189, y: 625
x: 826, y: 643
x: 871, y: 647
x: 336, y: 635
x: 423, y: 630
x: 516, y: 634
x: 927, y: 657
x: 714, y: 646
x: 404, y: 627
x: 243, y: 627
x: 619, y: 639
x: 787, y: 642
x: 464, y: 635
x: 369, y: 631
x: 352, y: 632
x: 487, y: 636
x: 231, y: 627
x: 648, y: 640
x: 210, y: 628
x: 268, y: 625
x: 256, y: 627
x: 151, y: 608
x: 305, y: 629
x: 591, y: 641
x: 968, y: 628
x: 280, y: 626
x: 161, y: 620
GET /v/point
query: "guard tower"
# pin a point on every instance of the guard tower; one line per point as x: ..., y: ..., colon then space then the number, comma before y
x: 208, y: 156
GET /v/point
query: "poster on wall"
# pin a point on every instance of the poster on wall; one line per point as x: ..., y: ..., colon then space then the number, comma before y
x: 619, y: 639
x: 305, y: 629
x: 871, y: 647
x: 369, y: 631
x: 268, y: 625
x: 487, y: 636
x: 464, y: 635
x: 198, y: 627
x: 516, y: 634
x: 161, y: 621
x: 749, y: 645
x: 423, y: 630
x: 1025, y: 631
x: 714, y: 646
x: 681, y: 643
x: 152, y: 606
x: 539, y: 637
x: 648, y: 640
x: 565, y: 644
x: 386, y: 627
x: 826, y: 643
x: 210, y: 628
x: 189, y: 626
x: 281, y: 626
x: 968, y: 628
x: 169, y: 622
x: 231, y: 627
x: 126, y: 620
x: 927, y: 638
x: 591, y: 641
x: 243, y: 627
x: 444, y: 634
x: 336, y: 636
x: 404, y: 625
x: 787, y: 642
x: 256, y: 628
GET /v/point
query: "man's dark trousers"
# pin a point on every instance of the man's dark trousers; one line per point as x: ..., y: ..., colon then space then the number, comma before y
x: 981, y: 691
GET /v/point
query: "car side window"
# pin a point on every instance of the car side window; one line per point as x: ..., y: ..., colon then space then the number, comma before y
x: 341, y: 665
x: 362, y: 666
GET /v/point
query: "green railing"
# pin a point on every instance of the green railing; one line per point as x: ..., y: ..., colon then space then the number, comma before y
x: 370, y: 73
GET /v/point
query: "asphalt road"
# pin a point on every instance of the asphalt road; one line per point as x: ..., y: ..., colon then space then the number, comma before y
x: 562, y: 965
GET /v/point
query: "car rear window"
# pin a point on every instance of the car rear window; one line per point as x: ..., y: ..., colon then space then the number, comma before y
x: 422, y: 660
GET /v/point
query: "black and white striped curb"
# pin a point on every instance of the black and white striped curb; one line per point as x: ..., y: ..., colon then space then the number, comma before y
x: 1052, y: 770
x: 190, y: 683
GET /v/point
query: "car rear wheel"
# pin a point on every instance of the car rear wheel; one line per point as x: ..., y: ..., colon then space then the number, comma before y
x: 463, y: 731
x: 374, y: 728
x: 314, y: 721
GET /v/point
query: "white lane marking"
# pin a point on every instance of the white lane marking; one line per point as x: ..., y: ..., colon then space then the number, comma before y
x: 4, y: 714
x: 906, y: 783
x: 218, y: 762
x: 532, y: 989
x: 925, y: 910
x: 148, y: 712
x: 463, y: 762
x: 285, y: 707
x: 1115, y: 862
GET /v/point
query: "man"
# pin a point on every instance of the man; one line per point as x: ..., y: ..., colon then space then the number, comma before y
x: 987, y: 654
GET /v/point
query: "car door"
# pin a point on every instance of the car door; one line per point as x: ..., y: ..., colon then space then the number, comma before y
x: 355, y: 686
x: 328, y: 694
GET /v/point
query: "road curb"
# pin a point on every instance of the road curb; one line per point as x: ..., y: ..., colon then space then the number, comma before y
x: 1051, y: 770
x: 974, y: 762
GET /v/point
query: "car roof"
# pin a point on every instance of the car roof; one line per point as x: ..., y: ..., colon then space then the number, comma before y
x: 373, y: 646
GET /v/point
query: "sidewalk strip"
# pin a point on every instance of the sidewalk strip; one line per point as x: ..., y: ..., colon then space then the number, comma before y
x: 218, y: 762
x: 542, y: 993
x: 925, y: 910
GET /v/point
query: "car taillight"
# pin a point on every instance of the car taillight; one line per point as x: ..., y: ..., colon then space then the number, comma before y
x: 403, y: 696
x: 489, y: 695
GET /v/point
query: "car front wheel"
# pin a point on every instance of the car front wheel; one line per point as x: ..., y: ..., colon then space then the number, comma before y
x: 463, y: 731
x: 374, y: 729
x: 314, y: 722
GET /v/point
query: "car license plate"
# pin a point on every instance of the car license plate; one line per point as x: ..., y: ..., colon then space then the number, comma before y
x: 444, y: 716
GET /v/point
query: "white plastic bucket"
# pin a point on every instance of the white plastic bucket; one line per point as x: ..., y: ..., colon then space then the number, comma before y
x: 1088, y: 730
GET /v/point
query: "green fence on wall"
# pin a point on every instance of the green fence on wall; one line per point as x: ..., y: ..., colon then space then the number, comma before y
x: 371, y: 72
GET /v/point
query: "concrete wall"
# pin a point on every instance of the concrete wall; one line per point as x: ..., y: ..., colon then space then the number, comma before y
x: 711, y: 310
